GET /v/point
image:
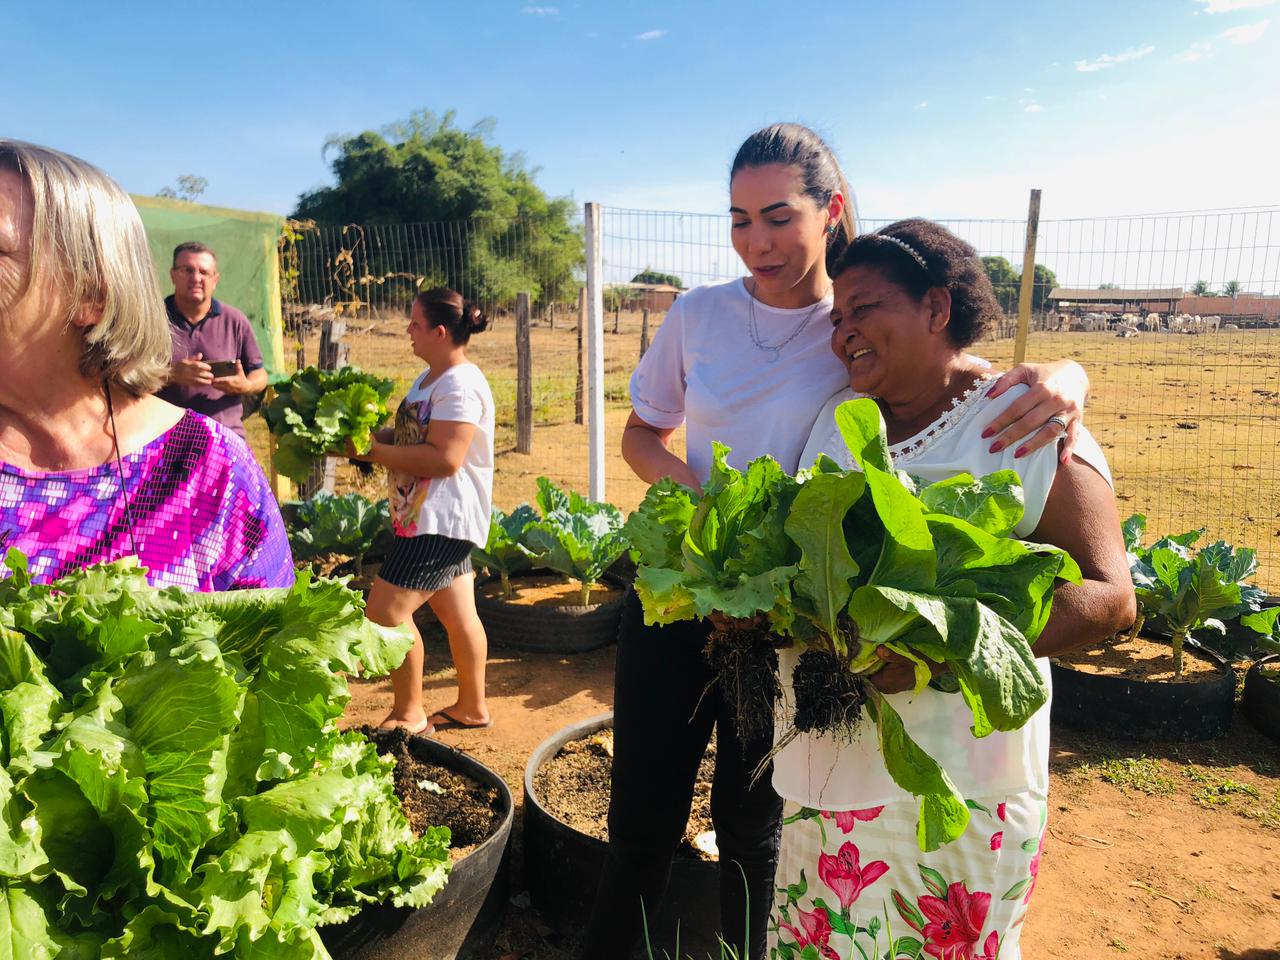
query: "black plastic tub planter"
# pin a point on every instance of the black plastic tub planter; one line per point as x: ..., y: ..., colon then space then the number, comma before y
x: 1261, y: 698
x: 562, y: 867
x: 563, y: 629
x: 1124, y: 709
x: 464, y: 917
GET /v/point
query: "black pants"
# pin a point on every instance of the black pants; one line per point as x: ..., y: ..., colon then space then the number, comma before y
x: 662, y: 724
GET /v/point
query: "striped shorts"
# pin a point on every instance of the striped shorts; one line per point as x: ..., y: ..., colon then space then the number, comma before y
x: 426, y: 562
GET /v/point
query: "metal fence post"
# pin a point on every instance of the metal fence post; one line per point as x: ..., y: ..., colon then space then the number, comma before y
x: 333, y: 356
x: 524, y: 377
x: 1028, y: 278
x: 595, y: 352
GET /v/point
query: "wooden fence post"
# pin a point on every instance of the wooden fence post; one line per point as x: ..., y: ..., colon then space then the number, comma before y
x: 617, y: 311
x: 582, y: 325
x: 551, y: 316
x: 644, y: 331
x: 524, y: 377
x: 1028, y: 278
x: 334, y: 354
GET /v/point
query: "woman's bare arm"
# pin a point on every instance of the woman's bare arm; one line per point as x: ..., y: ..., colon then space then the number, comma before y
x: 647, y: 450
x: 1059, y: 389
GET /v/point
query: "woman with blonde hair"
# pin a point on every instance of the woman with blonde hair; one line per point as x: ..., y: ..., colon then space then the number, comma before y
x: 92, y: 467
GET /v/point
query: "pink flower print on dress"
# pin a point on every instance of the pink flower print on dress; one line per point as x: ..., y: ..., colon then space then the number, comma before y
x: 816, y: 932
x: 1000, y: 809
x: 997, y: 839
x: 846, y: 879
x: 990, y: 949
x: 845, y: 819
x: 955, y: 924
x: 1034, y: 870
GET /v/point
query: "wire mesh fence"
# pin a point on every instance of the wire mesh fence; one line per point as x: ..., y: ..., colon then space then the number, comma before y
x: 1176, y: 317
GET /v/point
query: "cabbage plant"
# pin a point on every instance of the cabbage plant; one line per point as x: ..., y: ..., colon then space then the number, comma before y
x: 577, y: 537
x: 505, y: 551
x: 349, y: 525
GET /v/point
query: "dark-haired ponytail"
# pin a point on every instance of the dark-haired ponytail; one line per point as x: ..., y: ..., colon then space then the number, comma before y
x: 791, y: 144
x: 446, y: 308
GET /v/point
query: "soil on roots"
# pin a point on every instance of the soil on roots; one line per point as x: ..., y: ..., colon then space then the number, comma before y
x: 829, y: 699
x: 744, y: 656
x: 434, y: 796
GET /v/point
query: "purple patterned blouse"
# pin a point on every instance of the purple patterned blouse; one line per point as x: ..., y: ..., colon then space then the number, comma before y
x: 203, y: 515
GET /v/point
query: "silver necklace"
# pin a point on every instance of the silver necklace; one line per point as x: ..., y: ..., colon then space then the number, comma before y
x: 775, y: 349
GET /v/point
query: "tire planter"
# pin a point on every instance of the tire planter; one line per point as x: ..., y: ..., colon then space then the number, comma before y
x: 1125, y: 709
x: 562, y: 868
x: 534, y: 629
x: 1261, y: 700
x: 464, y: 917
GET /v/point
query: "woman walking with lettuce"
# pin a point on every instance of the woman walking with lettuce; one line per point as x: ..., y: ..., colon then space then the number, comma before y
x: 746, y: 363
x: 439, y: 459
x: 908, y: 300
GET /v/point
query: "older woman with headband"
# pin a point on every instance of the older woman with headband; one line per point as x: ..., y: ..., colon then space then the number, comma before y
x: 92, y: 467
x: 909, y: 300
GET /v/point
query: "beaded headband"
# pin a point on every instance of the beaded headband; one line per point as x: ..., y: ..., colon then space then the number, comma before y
x: 908, y: 249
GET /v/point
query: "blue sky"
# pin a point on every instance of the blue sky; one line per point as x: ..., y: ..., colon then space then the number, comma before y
x: 936, y: 108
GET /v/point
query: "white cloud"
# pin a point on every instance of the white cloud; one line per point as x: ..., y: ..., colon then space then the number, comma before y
x: 1245, y: 33
x: 989, y: 96
x: 922, y: 104
x: 541, y: 11
x: 1033, y: 108
x: 651, y: 35
x: 1228, y: 6
x: 1110, y: 60
x: 1200, y: 50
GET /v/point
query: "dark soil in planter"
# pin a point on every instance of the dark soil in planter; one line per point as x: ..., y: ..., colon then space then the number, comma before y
x: 470, y: 810
x: 574, y: 787
x: 548, y: 590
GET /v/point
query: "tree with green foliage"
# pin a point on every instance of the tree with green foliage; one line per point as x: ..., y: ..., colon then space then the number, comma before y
x: 1007, y: 284
x: 649, y: 275
x: 188, y: 187
x: 1108, y: 286
x: 425, y: 169
x: 1004, y: 280
x: 1201, y: 289
x: 1232, y: 289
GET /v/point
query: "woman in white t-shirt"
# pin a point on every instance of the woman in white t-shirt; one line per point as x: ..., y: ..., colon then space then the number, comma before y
x: 439, y: 460
x: 908, y: 300
x: 746, y: 363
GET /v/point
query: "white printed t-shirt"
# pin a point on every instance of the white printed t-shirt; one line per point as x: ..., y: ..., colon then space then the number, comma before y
x: 456, y: 506
x: 704, y: 369
x: 829, y: 773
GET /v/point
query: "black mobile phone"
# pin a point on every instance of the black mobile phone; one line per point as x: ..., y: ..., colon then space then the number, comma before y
x: 222, y: 368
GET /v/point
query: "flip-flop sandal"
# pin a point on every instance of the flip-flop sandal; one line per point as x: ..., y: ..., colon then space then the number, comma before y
x: 424, y: 727
x: 453, y: 723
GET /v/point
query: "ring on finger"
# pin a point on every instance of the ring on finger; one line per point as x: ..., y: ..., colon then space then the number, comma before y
x: 1060, y: 421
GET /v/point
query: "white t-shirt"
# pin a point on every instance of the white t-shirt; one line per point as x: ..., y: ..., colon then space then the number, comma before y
x: 834, y: 774
x: 456, y: 506
x: 705, y: 369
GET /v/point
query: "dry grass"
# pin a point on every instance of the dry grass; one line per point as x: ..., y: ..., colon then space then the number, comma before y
x: 1190, y: 424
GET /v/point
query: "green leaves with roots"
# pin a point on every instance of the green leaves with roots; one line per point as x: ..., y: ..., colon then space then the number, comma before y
x: 932, y: 577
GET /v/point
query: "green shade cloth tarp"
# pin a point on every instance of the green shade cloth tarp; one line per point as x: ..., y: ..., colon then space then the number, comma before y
x: 248, y: 269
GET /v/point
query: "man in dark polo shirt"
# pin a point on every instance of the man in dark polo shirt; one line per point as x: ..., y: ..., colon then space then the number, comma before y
x: 216, y: 360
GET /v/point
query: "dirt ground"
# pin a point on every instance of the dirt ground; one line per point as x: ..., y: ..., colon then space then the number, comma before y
x: 1159, y: 851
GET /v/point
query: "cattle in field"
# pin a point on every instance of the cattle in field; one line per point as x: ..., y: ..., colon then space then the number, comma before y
x: 1150, y: 323
x: 1126, y: 330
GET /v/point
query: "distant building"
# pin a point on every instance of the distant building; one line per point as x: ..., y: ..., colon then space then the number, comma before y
x: 1245, y: 309
x: 657, y: 297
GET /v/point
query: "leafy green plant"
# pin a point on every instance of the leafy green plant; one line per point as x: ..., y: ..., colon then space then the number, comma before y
x: 172, y: 775
x: 865, y: 562
x: 577, y: 537
x: 934, y: 577
x: 349, y: 525
x: 315, y: 412
x: 723, y: 555
x: 505, y: 551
